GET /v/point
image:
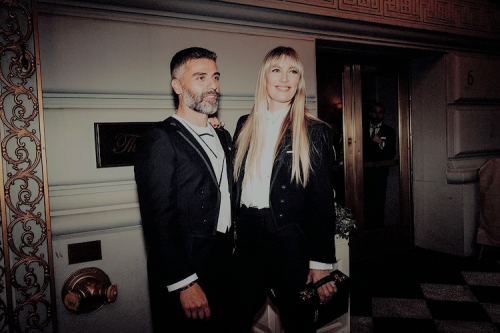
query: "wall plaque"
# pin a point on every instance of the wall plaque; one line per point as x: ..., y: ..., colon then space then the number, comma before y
x: 116, y: 143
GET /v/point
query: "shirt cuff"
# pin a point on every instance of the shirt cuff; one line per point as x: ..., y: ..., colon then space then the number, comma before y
x: 182, y: 283
x: 319, y: 265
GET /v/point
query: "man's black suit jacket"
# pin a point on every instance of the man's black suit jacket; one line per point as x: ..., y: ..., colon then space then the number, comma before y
x: 303, y: 212
x: 371, y: 149
x: 179, y: 197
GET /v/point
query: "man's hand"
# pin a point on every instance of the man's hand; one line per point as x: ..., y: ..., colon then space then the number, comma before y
x: 377, y: 139
x: 195, y: 303
x: 326, y: 291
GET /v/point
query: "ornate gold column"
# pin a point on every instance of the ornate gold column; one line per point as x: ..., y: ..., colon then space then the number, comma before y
x: 27, y: 296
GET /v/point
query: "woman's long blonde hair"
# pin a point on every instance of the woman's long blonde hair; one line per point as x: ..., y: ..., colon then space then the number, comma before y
x: 252, y: 135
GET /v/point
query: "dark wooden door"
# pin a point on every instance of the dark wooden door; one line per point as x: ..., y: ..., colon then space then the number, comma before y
x: 371, y: 176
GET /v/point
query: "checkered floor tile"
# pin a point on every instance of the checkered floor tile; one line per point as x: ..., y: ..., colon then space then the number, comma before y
x: 424, y: 291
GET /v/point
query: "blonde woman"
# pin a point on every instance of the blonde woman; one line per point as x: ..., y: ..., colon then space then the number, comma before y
x: 284, y: 200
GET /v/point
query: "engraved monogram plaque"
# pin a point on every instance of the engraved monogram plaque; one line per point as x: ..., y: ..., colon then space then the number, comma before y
x: 116, y: 143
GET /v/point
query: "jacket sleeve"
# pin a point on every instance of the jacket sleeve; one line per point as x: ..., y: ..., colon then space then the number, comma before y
x: 155, y: 175
x: 320, y: 195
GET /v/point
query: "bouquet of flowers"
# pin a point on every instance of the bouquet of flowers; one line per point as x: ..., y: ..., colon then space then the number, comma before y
x: 345, y: 222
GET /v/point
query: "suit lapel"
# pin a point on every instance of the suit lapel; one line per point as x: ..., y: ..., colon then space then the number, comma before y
x: 228, y: 151
x: 239, y: 183
x: 282, y: 151
x: 191, y: 140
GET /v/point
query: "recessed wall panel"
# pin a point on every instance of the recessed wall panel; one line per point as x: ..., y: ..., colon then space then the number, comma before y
x: 473, y: 78
x: 473, y: 130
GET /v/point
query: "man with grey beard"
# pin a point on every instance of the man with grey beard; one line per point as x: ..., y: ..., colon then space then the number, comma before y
x: 183, y: 172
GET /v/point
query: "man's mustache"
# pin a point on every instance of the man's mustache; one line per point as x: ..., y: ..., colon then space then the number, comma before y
x: 211, y: 92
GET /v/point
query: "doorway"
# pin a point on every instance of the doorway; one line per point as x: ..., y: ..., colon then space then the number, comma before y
x: 364, y: 96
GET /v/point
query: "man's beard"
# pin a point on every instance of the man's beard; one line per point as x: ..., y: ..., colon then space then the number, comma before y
x: 197, y: 103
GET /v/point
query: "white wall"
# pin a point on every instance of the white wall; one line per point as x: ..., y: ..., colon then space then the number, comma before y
x: 124, y: 261
x: 429, y: 163
x: 88, y: 56
x: 454, y: 131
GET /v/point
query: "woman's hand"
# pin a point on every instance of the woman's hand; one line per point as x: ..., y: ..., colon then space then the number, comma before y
x: 215, y: 122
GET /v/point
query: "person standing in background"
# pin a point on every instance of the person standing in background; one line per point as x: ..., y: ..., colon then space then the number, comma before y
x: 379, y: 144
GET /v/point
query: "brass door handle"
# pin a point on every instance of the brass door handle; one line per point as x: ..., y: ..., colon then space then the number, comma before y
x: 87, y: 290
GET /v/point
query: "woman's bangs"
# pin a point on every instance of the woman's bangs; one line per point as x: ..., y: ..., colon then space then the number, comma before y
x: 277, y: 59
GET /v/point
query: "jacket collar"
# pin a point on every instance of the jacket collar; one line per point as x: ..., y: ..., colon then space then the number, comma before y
x: 191, y: 140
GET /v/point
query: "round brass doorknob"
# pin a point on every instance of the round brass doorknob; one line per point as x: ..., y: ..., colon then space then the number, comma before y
x: 87, y: 290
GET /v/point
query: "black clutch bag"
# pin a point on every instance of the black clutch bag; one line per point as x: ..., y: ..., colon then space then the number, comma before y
x: 338, y: 304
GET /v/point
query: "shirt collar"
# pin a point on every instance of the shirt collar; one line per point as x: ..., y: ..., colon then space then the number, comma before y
x: 197, y: 129
x: 274, y: 116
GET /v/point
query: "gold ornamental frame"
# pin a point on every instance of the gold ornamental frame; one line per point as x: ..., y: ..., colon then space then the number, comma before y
x: 27, y: 293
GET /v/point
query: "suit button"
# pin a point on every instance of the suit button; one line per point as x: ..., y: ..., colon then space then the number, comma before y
x: 283, y: 187
x: 203, y: 206
x: 282, y: 200
x: 280, y: 216
x: 204, y: 220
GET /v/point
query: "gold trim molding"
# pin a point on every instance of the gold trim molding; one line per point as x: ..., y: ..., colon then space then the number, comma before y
x: 478, y: 18
x: 27, y: 287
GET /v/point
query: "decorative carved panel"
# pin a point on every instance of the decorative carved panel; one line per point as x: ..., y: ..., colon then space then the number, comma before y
x: 478, y: 18
x: 26, y: 286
